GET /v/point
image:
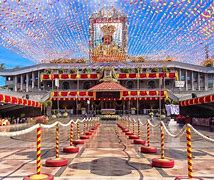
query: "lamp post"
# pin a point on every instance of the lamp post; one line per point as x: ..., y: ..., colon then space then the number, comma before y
x: 161, y: 87
x: 57, y: 85
x: 138, y: 88
x: 88, y: 102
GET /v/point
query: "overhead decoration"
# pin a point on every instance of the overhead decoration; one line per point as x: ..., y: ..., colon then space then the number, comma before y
x: 49, y: 30
x: 18, y: 101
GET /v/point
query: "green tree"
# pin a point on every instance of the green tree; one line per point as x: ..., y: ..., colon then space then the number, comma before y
x: 2, y: 66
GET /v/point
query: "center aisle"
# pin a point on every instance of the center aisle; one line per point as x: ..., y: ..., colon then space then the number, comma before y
x: 108, y: 155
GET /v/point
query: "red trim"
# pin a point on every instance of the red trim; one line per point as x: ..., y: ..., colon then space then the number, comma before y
x: 152, y: 75
x: 122, y: 75
x: 132, y: 75
x: 143, y: 75
x: 56, y: 76
x: 133, y: 93
x: 73, y: 76
x: 64, y: 76
x: 84, y: 76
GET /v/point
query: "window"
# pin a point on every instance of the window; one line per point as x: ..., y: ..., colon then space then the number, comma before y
x: 65, y: 85
x: 86, y: 85
x: 151, y: 85
x: 130, y: 85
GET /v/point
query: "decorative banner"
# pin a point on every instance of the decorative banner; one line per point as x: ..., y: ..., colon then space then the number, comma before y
x: 199, y: 100
x: 171, y: 75
x: 18, y: 101
x: 89, y: 95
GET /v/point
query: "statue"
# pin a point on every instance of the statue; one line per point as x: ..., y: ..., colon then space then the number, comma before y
x: 108, y: 47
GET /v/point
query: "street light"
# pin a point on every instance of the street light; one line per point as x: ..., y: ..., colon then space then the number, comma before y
x: 57, y: 85
x: 88, y: 102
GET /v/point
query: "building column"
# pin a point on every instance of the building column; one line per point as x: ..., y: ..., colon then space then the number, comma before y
x: 192, y: 80
x: 38, y: 80
x: 213, y: 80
x: 27, y: 82
x: 179, y: 72
x: 199, y: 81
x: 186, y: 81
x: 206, y: 82
x: 15, y: 83
x: 21, y: 85
x: 33, y: 80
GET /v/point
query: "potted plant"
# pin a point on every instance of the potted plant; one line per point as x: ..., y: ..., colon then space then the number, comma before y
x: 73, y: 71
x: 61, y: 71
x: 133, y: 110
x: 54, y: 114
x: 65, y: 114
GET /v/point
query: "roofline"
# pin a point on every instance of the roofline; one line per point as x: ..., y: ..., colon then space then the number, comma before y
x: 42, y: 66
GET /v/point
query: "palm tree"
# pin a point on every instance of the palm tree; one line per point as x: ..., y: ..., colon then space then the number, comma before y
x: 2, y: 66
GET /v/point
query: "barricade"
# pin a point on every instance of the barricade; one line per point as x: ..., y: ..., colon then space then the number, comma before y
x: 53, y: 162
x: 147, y: 148
x: 139, y: 140
x: 71, y: 148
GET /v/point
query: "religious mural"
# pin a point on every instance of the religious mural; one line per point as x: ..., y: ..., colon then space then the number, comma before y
x: 108, y: 36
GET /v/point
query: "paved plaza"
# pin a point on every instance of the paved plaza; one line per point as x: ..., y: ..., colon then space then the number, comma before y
x: 107, y: 155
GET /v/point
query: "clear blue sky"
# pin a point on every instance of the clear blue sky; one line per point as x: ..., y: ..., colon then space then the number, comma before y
x: 11, y: 60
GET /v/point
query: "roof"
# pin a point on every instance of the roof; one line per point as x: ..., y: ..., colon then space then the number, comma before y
x: 108, y: 86
x: 148, y: 64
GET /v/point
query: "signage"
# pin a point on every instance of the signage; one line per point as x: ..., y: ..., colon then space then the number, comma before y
x: 179, y: 84
x: 57, y: 82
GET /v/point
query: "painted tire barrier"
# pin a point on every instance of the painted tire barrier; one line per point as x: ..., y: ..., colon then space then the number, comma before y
x: 84, y: 137
x: 133, y: 137
x: 163, y: 163
x: 56, y: 162
x: 139, y: 141
x: 128, y: 133
x: 88, y: 133
x: 39, y: 177
x: 148, y: 149
x: 71, y: 149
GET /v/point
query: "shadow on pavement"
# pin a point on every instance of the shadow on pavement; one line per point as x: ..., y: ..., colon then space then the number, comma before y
x: 110, y: 166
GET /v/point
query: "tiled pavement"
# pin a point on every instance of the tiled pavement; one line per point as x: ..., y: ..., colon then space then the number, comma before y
x: 108, y: 155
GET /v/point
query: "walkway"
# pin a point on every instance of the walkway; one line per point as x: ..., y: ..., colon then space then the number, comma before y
x: 108, y: 155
